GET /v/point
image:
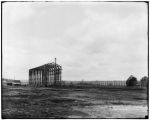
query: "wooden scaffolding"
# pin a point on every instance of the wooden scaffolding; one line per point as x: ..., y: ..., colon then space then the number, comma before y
x: 45, y: 75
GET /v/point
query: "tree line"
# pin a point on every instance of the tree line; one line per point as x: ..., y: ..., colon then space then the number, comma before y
x: 132, y: 81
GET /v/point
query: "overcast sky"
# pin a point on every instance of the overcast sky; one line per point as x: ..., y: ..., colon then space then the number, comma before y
x: 91, y: 40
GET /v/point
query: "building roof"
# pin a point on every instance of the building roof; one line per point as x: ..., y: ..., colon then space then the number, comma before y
x: 49, y: 65
x: 11, y: 81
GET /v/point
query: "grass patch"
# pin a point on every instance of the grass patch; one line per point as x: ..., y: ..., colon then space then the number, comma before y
x: 59, y: 103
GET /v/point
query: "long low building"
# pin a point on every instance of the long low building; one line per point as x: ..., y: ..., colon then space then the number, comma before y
x: 10, y: 82
x: 45, y: 75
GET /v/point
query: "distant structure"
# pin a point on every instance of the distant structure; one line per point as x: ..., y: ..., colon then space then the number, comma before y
x: 45, y: 75
x: 10, y: 82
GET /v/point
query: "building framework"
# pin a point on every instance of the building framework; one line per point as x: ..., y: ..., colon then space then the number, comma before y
x: 45, y: 75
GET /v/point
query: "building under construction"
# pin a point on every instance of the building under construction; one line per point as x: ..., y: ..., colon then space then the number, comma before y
x: 45, y: 75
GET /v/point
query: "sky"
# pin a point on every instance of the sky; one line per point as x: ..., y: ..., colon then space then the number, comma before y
x: 91, y: 40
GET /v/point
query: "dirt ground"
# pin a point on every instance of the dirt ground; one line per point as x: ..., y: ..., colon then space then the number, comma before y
x: 26, y: 102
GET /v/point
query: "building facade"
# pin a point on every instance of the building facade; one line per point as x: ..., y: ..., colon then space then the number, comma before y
x: 45, y: 75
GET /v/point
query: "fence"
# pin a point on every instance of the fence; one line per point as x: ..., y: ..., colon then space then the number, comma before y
x: 94, y: 83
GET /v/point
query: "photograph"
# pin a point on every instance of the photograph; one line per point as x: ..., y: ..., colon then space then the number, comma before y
x: 74, y: 59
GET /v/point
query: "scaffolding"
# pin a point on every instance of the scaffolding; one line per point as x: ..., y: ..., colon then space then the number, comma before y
x: 45, y: 75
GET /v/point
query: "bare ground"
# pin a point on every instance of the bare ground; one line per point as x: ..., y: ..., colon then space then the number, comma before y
x: 26, y: 102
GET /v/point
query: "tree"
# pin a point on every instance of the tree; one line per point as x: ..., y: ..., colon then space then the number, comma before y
x: 144, y: 81
x: 131, y: 81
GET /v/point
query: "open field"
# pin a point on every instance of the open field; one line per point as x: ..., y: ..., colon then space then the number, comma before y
x: 26, y: 102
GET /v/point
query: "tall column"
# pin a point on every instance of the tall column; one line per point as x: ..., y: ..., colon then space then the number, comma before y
x: 44, y: 76
x: 48, y: 76
x: 52, y: 76
x: 56, y: 75
x: 60, y: 72
x: 35, y: 79
x: 31, y: 77
x: 59, y: 75
x: 40, y: 78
